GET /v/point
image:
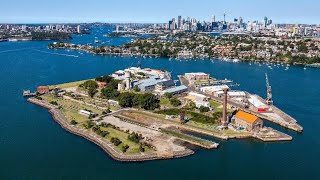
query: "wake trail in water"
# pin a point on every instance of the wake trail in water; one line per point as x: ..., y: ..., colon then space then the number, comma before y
x: 14, y: 50
x: 59, y: 54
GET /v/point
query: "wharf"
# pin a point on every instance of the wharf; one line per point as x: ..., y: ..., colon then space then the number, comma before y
x: 271, y: 135
x: 277, y: 116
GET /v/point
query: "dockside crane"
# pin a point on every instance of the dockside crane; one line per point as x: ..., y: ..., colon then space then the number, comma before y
x: 269, y: 100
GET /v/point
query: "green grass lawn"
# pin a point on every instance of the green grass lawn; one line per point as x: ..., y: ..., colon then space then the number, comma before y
x: 122, y: 136
x: 164, y: 101
x: 214, y: 103
x: 71, y: 109
x: 68, y: 85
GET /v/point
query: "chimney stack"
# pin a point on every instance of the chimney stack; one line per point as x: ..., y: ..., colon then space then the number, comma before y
x: 224, y: 121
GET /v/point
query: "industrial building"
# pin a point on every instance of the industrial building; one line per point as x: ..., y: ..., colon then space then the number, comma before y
x: 176, y: 90
x: 216, y: 91
x: 247, y: 121
x: 161, y: 86
x: 148, y: 85
x: 257, y: 105
x: 198, y: 99
x: 200, y: 76
x: 126, y: 83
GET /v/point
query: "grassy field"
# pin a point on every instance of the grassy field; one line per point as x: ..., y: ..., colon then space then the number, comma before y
x: 214, y: 103
x: 122, y: 136
x: 164, y: 101
x: 71, y: 108
x: 68, y: 85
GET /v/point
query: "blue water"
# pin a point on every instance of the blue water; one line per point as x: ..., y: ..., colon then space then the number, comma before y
x: 33, y: 146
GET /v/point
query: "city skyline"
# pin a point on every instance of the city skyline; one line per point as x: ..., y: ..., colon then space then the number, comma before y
x: 35, y: 11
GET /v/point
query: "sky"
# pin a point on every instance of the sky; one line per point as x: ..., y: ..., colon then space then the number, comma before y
x: 156, y: 11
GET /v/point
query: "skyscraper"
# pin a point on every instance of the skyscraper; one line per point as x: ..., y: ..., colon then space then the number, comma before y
x: 265, y: 22
x: 240, y: 21
x: 179, y: 22
x: 213, y: 18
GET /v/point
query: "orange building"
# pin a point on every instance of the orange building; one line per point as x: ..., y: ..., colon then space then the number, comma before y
x: 247, y: 121
x: 43, y: 89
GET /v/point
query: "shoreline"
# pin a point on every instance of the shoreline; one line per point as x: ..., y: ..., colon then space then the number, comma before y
x: 226, y: 59
x: 102, y: 144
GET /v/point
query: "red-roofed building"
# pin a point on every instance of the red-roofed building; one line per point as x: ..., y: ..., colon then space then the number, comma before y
x: 43, y: 89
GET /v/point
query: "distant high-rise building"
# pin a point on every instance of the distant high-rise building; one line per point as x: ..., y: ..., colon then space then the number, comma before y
x: 213, y: 18
x: 265, y: 22
x: 179, y: 22
x: 78, y: 29
x: 172, y: 24
x: 240, y: 21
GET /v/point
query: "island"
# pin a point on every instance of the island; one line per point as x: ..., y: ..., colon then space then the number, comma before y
x: 140, y: 114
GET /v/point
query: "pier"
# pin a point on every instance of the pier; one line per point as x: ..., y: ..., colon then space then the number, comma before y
x: 276, y: 116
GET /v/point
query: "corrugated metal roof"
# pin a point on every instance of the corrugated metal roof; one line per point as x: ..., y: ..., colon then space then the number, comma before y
x: 249, y: 118
x: 175, y: 89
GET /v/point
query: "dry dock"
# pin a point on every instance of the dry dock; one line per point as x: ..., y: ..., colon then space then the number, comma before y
x: 276, y: 116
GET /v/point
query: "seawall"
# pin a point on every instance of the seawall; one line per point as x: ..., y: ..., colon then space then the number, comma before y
x: 107, y: 147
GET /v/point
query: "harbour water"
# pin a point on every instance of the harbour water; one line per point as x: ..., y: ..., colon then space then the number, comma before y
x: 33, y: 146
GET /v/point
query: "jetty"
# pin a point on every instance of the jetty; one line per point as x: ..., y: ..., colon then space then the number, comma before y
x: 276, y: 116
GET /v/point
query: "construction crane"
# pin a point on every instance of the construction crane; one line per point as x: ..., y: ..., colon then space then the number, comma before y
x: 139, y: 64
x: 269, y: 100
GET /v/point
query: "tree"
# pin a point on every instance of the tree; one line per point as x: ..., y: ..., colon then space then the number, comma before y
x: 125, y: 148
x: 90, y: 84
x: 175, y: 101
x: 168, y: 95
x: 106, y: 111
x: 109, y: 92
x: 150, y: 102
x: 204, y: 109
x: 115, y: 141
x: 141, y: 148
x: 134, y: 137
x: 54, y: 103
x: 137, y: 100
x: 92, y: 92
x: 106, y: 79
x: 136, y: 88
x: 125, y: 99
x: 73, y: 122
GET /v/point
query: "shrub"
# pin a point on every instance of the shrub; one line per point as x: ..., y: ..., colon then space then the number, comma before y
x: 73, y: 122
x: 54, y: 103
x: 125, y: 148
x: 115, y: 141
x: 175, y: 102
